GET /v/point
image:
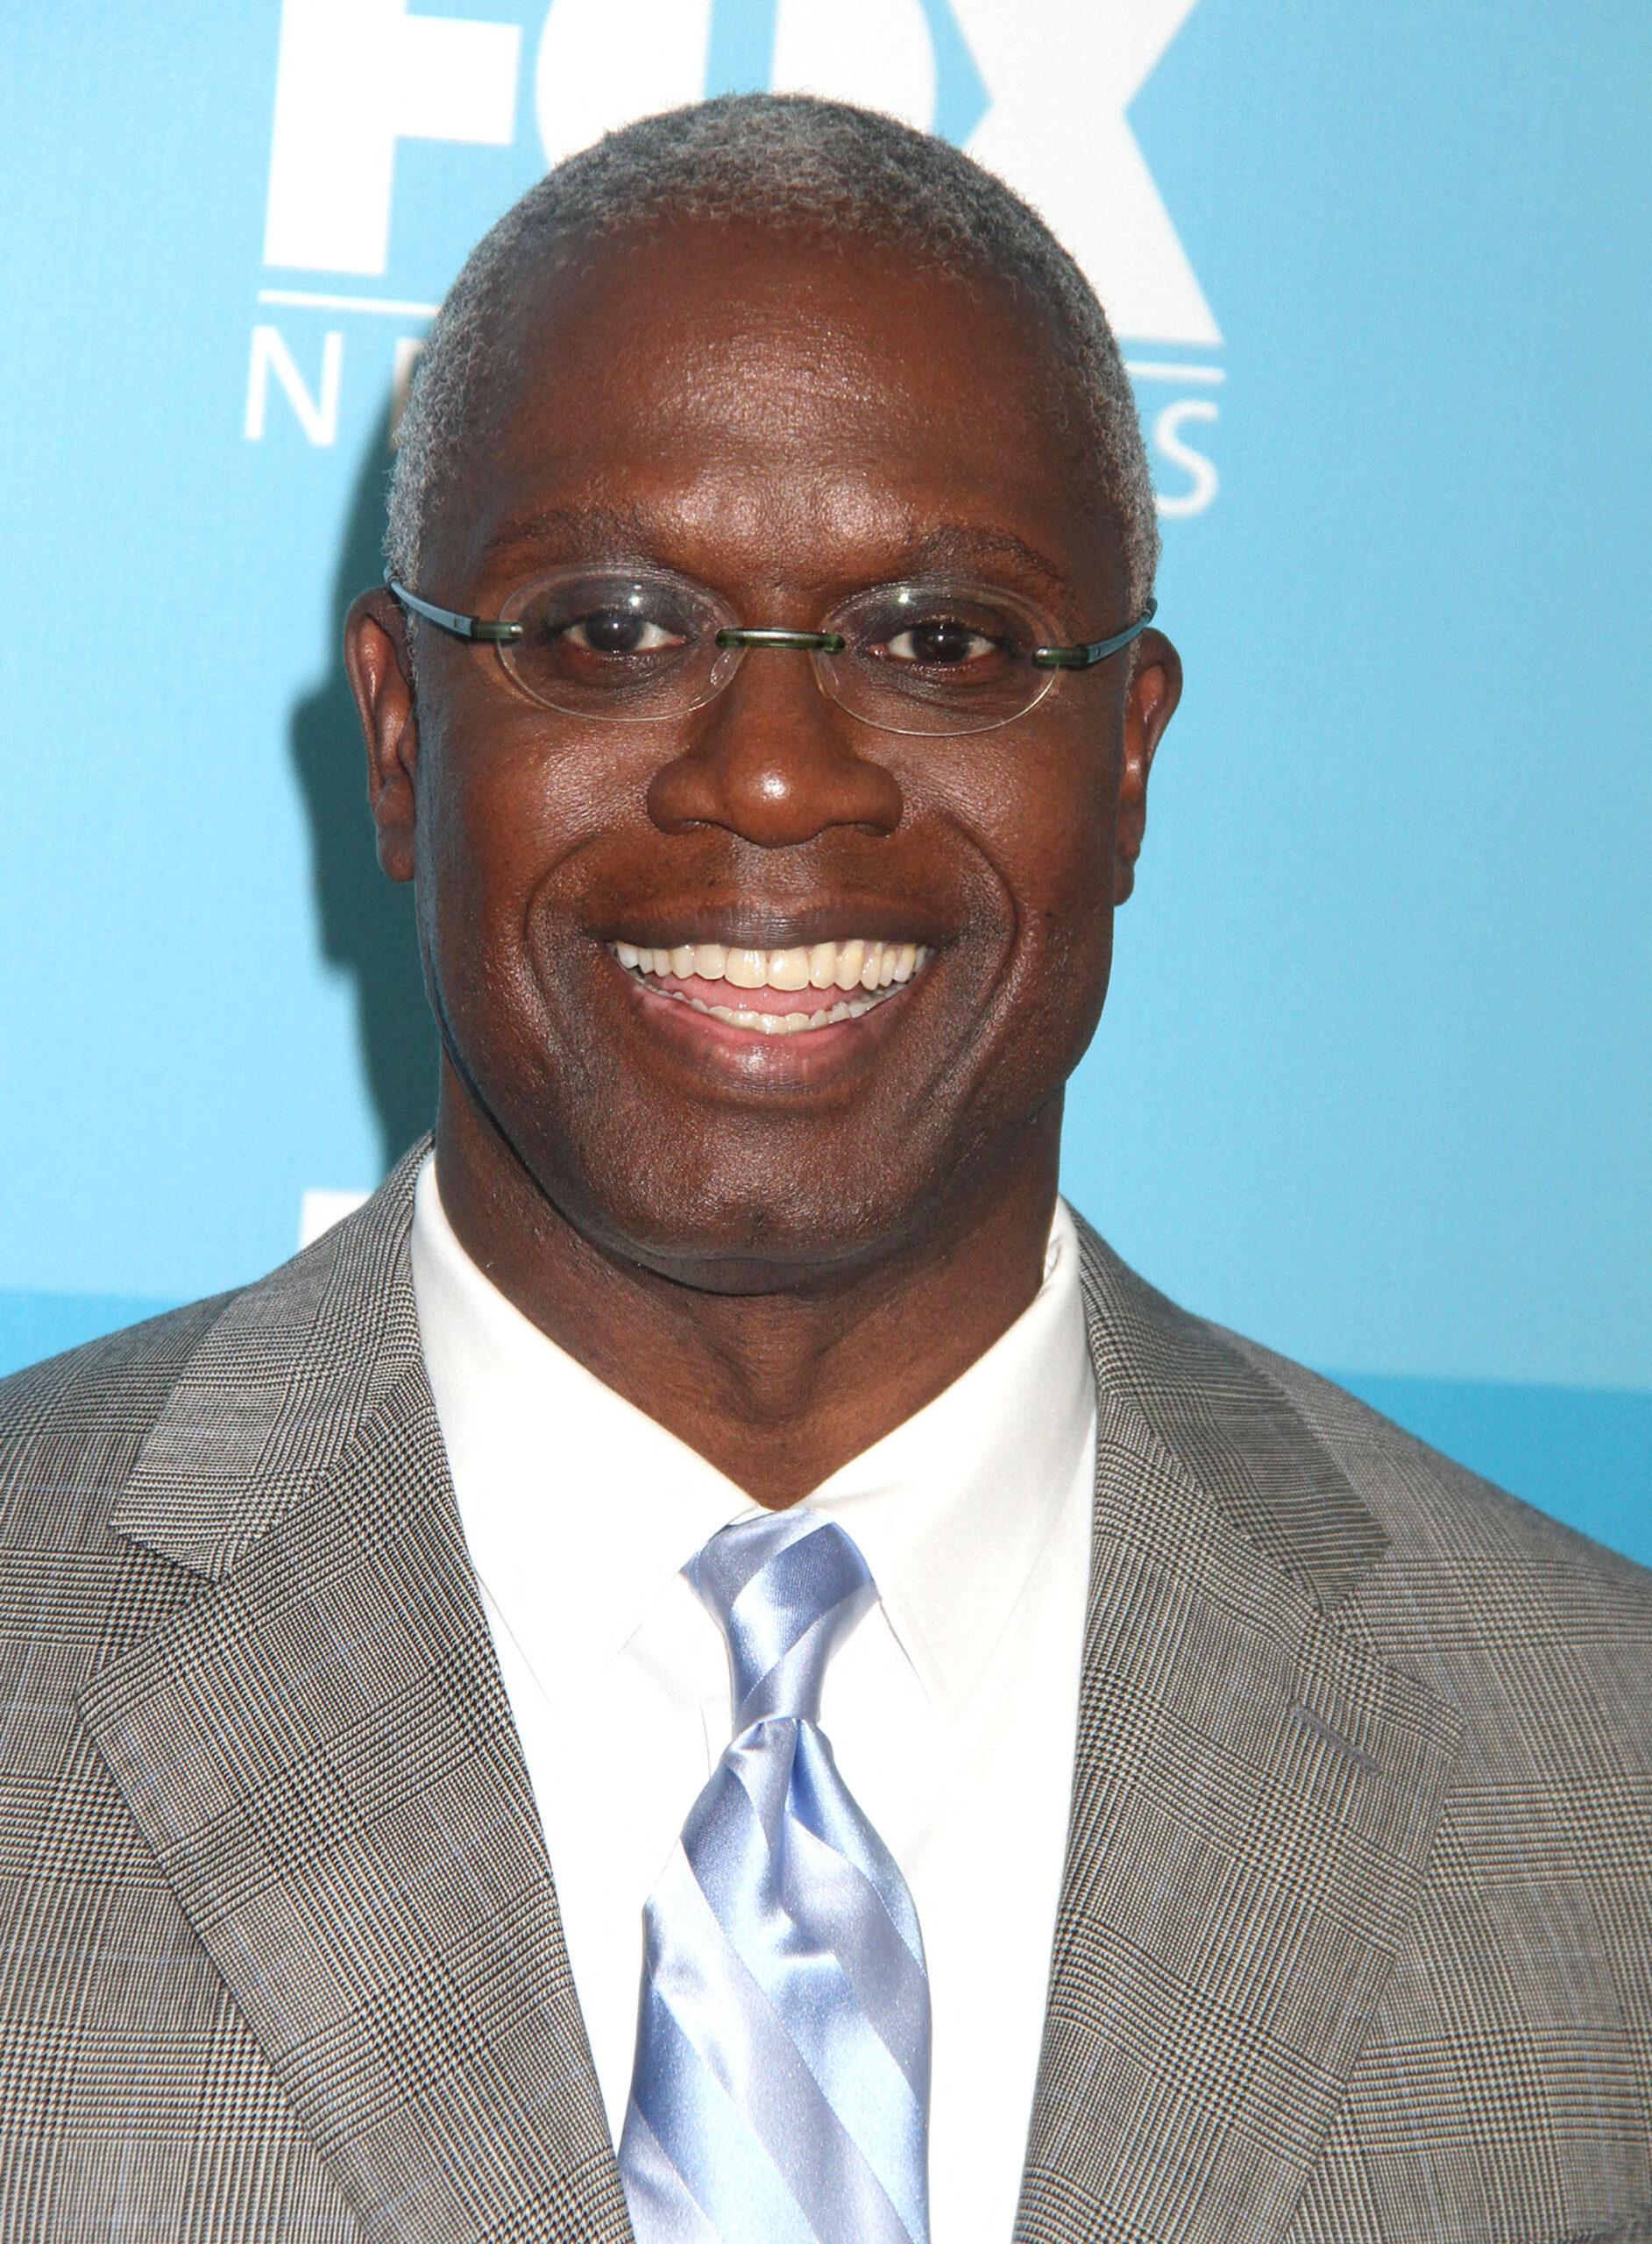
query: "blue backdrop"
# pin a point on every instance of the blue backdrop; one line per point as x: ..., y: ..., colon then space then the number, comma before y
x: 1373, y: 1082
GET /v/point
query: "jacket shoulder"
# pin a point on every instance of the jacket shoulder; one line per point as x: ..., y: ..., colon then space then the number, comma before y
x: 1430, y: 1508
x: 71, y: 1427
x: 1540, y: 1638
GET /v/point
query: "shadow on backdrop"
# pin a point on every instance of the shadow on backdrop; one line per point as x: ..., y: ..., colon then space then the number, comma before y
x: 367, y: 921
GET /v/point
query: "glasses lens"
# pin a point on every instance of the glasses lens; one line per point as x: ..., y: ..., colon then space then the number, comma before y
x: 936, y: 657
x: 619, y: 645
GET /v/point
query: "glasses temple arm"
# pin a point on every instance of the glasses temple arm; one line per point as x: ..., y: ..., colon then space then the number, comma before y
x: 447, y: 618
x: 1091, y: 651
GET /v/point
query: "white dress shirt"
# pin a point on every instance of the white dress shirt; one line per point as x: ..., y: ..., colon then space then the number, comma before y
x: 952, y: 1710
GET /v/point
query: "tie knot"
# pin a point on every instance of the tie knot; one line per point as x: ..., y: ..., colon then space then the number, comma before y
x: 786, y: 1590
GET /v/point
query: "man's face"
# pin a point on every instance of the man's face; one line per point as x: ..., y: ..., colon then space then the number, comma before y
x: 786, y: 423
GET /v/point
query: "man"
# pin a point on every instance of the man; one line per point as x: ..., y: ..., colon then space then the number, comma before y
x: 1233, y: 1824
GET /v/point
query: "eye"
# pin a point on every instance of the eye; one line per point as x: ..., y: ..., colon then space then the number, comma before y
x: 617, y: 631
x: 940, y: 642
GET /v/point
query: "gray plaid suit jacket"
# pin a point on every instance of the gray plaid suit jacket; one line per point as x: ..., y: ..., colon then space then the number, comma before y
x: 1356, y: 1940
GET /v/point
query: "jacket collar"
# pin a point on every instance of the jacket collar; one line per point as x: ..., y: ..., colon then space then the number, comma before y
x: 280, y: 1384
x: 1228, y: 1428
x: 298, y: 1363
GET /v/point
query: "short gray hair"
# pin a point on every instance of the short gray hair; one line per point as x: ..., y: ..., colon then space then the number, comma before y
x: 776, y: 159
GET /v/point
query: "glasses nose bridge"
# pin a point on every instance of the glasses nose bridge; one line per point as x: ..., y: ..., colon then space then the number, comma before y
x: 781, y: 656
x: 812, y: 643
x: 777, y: 760
x: 734, y: 643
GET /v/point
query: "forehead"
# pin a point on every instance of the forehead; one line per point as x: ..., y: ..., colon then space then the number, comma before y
x: 782, y: 407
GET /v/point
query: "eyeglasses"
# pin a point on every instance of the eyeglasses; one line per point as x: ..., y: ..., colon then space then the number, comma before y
x: 640, y: 646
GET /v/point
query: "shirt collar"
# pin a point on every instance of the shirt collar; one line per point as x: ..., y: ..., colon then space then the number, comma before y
x: 952, y: 1508
x: 565, y: 1485
x: 578, y: 1509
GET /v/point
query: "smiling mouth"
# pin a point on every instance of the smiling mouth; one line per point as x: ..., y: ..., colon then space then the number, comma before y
x: 778, y: 992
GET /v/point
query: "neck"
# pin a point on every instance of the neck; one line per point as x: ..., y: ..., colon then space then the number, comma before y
x: 776, y: 1387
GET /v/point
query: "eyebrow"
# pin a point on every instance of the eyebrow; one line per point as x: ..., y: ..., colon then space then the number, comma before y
x: 625, y: 533
x: 959, y: 541
x: 613, y: 531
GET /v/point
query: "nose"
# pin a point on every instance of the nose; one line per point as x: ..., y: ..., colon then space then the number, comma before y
x: 775, y: 762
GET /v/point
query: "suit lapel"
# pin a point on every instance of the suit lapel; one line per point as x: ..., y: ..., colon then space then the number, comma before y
x: 1255, y: 1797
x: 321, y: 1753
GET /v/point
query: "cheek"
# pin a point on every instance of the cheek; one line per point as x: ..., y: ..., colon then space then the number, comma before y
x: 1043, y: 821
x: 1049, y: 841
x: 496, y: 828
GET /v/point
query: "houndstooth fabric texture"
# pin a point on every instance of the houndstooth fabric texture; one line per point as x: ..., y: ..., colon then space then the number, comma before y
x: 1356, y: 1940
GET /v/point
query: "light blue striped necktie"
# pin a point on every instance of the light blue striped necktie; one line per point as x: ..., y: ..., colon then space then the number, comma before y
x: 781, y: 2094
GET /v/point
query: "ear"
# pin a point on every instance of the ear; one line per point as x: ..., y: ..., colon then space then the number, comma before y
x: 380, y: 667
x: 1150, y: 702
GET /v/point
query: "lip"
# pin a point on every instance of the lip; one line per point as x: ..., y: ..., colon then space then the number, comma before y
x: 749, y: 1058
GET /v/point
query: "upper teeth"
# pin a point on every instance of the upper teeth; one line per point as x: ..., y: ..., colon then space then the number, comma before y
x: 867, y: 964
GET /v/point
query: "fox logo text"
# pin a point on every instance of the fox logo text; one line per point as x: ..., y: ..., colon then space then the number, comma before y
x: 357, y: 80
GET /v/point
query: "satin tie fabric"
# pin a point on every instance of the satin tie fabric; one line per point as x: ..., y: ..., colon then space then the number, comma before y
x: 781, y: 2093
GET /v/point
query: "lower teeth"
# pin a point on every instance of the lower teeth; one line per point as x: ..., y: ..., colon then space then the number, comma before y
x: 780, y: 1024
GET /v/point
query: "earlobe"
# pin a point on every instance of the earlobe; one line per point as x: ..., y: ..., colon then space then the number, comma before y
x: 377, y: 659
x: 1151, y: 698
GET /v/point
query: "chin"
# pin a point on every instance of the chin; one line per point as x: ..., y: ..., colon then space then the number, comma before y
x: 724, y: 1231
